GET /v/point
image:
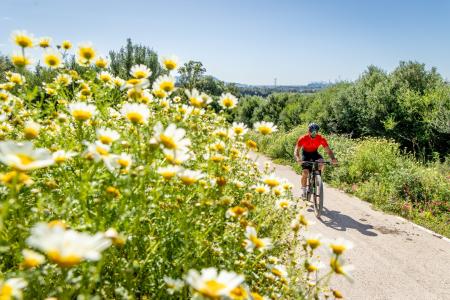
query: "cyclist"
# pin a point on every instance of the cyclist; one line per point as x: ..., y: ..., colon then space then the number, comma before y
x: 310, y: 143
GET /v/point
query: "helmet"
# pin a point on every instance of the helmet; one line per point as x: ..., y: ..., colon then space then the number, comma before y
x: 313, y: 126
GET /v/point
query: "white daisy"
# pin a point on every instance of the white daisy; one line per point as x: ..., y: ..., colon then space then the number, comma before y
x: 189, y: 177
x: 12, y: 288
x: 22, y: 156
x: 61, y: 156
x: 82, y: 111
x: 173, y: 285
x: 339, y: 245
x: 169, y: 171
x: 253, y: 242
x: 165, y: 83
x: 171, y: 137
x: 67, y: 247
x: 169, y: 62
x: 140, y: 71
x: 228, y: 101
x: 211, y: 284
x: 137, y: 113
x: 107, y: 136
x: 239, y: 128
x: 265, y: 127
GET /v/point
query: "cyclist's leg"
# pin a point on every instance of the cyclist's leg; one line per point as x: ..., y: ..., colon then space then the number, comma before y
x: 305, y: 174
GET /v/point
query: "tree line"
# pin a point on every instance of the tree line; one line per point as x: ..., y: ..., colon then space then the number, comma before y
x: 410, y: 105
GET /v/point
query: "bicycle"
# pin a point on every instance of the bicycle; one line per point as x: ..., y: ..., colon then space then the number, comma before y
x: 314, y: 186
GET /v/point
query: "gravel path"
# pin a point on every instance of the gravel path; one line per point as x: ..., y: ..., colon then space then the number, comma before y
x: 393, y: 258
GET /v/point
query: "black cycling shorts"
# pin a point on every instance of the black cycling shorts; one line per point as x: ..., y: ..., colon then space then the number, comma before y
x: 310, y: 156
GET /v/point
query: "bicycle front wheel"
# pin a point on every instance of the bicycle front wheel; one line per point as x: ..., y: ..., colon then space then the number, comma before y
x: 318, y: 196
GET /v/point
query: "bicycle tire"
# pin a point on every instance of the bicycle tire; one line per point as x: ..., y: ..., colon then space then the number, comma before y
x: 318, y: 196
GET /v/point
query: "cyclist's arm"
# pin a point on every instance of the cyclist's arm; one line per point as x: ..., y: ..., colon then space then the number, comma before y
x: 296, y: 152
x: 330, y: 154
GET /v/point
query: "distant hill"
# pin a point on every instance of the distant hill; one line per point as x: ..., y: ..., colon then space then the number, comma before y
x: 264, y: 90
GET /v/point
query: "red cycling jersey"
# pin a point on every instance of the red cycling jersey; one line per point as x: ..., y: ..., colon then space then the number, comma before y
x: 310, y: 144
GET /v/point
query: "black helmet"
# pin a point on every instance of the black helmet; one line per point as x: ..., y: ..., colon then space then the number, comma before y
x: 313, y: 126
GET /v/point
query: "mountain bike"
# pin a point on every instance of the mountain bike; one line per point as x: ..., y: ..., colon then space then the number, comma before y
x: 314, y: 186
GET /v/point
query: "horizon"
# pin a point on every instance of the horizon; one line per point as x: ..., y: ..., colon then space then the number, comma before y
x: 253, y: 42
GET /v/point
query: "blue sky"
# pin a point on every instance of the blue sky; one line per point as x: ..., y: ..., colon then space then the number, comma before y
x: 251, y: 41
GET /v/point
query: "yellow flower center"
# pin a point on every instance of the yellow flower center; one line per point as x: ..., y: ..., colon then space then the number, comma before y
x: 106, y: 139
x: 31, y: 262
x: 59, y: 159
x: 170, y: 64
x: 66, y: 45
x: 159, y: 94
x: 17, y: 79
x: 87, y: 53
x: 212, y: 288
x: 313, y: 243
x: 196, y: 101
x: 6, y: 292
x: 227, y: 102
x: 271, y: 182
x: 238, y: 293
x: 251, y: 144
x: 9, y: 177
x: 168, y: 174
x: 133, y: 81
x: 277, y: 272
x: 20, y: 61
x: 260, y: 189
x: 188, y: 180
x: 237, y: 210
x: 167, y: 86
x: 101, y: 151
x: 257, y: 242
x: 338, y: 249
x: 101, y: 63
x: 284, y: 204
x: 310, y: 268
x: 25, y: 159
x: 30, y: 133
x: 105, y: 78
x: 217, y: 158
x: 135, y: 117
x: 123, y: 162
x: 257, y: 296
x: 64, y: 261
x: 134, y: 94
x: 81, y: 115
x: 238, y: 130
x: 139, y: 74
x: 52, y: 60
x: 265, y: 130
x: 168, y: 142
x: 303, y: 220
x: 24, y: 41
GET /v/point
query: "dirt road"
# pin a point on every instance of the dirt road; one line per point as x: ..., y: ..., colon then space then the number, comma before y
x: 393, y: 258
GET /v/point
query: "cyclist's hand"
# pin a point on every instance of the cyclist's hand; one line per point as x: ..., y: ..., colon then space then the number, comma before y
x: 334, y: 161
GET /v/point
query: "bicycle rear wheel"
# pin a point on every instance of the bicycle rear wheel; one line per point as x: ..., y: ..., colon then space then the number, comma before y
x: 318, y: 196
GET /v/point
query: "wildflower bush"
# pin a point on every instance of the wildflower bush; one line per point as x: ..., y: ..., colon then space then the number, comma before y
x: 126, y: 188
x: 377, y: 171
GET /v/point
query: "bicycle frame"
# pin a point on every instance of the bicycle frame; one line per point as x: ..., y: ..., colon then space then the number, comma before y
x: 315, y: 185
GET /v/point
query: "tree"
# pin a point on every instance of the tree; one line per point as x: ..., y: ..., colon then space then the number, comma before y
x: 190, y: 74
x: 132, y: 54
x: 5, y: 65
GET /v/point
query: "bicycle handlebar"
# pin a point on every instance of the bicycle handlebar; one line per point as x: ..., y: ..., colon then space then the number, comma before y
x: 326, y: 162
